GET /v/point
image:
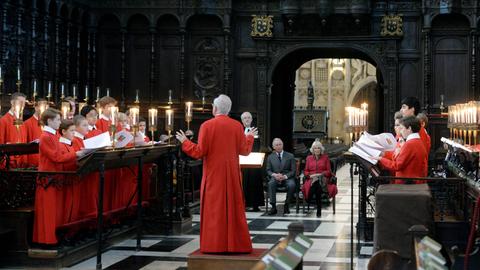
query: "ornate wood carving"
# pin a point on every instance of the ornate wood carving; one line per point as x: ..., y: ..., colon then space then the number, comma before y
x: 473, y: 61
x: 153, y: 54
x: 426, y: 67
x: 123, y: 78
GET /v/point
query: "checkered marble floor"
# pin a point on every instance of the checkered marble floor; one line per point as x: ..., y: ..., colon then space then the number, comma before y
x: 330, y: 233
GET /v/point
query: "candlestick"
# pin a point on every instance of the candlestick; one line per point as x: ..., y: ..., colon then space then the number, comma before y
x: 43, y: 105
x: 86, y: 92
x: 34, y: 89
x: 169, y: 122
x: 49, y: 93
x: 113, y: 115
x: 65, y: 109
x: 62, y: 90
x: 18, y: 74
x: 137, y: 99
x: 98, y: 93
x: 74, y: 91
x: 188, y: 113
x: 18, y: 106
x: 170, y: 102
x: 134, y: 114
x: 108, y: 92
x: 152, y: 120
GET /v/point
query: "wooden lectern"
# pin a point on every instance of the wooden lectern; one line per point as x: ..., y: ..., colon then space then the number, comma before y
x: 104, y: 159
x: 252, y: 161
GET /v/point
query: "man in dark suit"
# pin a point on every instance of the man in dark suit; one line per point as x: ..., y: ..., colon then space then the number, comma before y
x: 281, y: 171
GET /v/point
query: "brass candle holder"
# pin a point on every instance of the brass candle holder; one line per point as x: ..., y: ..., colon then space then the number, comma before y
x: 169, y: 123
x: 113, y: 123
x: 18, y: 113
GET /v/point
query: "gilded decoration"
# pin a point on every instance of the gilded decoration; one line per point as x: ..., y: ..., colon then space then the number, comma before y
x: 262, y: 26
x: 392, y: 25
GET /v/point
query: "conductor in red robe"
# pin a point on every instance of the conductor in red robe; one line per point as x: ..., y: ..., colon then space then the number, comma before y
x: 223, y: 225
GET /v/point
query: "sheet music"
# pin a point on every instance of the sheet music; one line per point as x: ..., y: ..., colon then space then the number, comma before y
x: 98, y: 141
x: 122, y: 138
x: 255, y: 158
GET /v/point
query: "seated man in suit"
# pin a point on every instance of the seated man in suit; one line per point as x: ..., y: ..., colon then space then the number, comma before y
x: 281, y: 171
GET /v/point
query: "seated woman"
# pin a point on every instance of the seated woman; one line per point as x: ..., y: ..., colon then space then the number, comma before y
x: 317, y: 165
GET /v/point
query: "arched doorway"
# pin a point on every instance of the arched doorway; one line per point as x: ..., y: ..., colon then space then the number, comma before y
x: 283, y: 75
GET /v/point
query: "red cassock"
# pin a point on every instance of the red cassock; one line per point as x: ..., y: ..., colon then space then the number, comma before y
x: 87, y: 190
x: 321, y: 165
x: 410, y: 162
x: 425, y: 139
x: 9, y: 133
x: 48, y: 199
x: 93, y: 132
x: 71, y: 200
x: 34, y: 131
x: 223, y: 225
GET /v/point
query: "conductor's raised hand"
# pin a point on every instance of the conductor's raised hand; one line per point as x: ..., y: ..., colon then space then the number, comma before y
x: 181, y: 136
x: 253, y: 132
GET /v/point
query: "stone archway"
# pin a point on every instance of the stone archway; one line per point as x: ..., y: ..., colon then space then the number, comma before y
x: 280, y: 76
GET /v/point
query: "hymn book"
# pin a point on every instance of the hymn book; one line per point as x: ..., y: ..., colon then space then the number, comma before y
x: 369, y: 146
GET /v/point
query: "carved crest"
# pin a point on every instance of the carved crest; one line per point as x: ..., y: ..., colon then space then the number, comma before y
x: 392, y: 25
x: 262, y: 26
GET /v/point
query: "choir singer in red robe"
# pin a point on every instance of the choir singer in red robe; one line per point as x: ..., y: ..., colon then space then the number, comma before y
x: 223, y: 225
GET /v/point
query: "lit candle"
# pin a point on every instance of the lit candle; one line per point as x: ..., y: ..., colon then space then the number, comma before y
x: 62, y: 87
x: 113, y: 115
x: 169, y: 120
x: 170, y: 96
x: 152, y: 118
x: 137, y: 100
x: 1, y: 75
x: 65, y: 109
x: 34, y: 87
x: 98, y: 92
x: 18, y: 73
x: 188, y: 111
x: 74, y: 90
x: 134, y: 114
x: 108, y: 92
x: 43, y: 105
x: 86, y: 91
x: 49, y: 89
x: 17, y: 109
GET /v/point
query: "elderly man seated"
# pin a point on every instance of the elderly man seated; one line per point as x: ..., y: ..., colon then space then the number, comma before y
x: 281, y: 171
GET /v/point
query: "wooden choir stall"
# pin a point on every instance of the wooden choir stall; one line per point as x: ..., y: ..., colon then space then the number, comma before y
x: 164, y: 207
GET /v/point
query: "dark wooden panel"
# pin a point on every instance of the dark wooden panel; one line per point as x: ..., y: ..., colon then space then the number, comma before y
x: 409, y: 81
x: 245, y: 85
x: 168, y: 66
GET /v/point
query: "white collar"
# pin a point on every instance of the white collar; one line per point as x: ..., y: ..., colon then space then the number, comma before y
x: 78, y: 135
x: 102, y: 116
x: 281, y: 153
x: 35, y: 117
x: 90, y: 128
x: 10, y: 112
x: 413, y: 136
x: 127, y: 127
x: 65, y: 141
x: 49, y: 130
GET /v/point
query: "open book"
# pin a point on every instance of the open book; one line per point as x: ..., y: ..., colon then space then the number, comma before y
x: 369, y: 146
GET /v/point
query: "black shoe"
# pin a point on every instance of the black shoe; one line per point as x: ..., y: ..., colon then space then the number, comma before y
x: 319, y: 212
x: 285, y: 209
x: 272, y: 211
x: 256, y: 209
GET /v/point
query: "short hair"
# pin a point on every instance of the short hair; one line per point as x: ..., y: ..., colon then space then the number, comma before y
x: 142, y: 119
x: 17, y: 95
x: 277, y: 139
x: 65, y: 124
x: 223, y: 104
x: 122, y: 116
x: 104, y: 101
x: 398, y: 115
x: 411, y: 121
x: 315, y: 144
x: 49, y: 113
x: 86, y: 109
x: 244, y: 114
x: 422, y: 118
x: 40, y: 99
x: 412, y: 102
x: 77, y: 119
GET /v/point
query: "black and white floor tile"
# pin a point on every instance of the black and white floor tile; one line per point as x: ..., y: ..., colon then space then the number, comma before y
x: 330, y: 234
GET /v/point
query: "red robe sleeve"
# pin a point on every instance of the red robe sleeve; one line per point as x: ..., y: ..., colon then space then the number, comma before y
x: 50, y: 148
x: 399, y: 163
x: 425, y: 139
x: 197, y: 151
x: 246, y: 144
